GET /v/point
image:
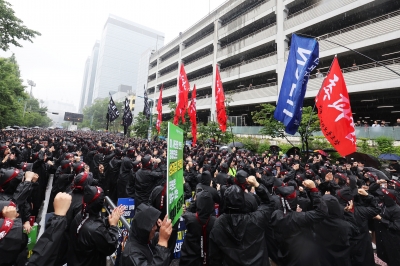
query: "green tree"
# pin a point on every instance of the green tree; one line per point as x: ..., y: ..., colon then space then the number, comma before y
x: 141, y: 126
x: 35, y: 115
x: 12, y: 28
x: 94, y: 116
x: 211, y: 130
x: 12, y: 94
x: 265, y: 118
x: 271, y: 127
x: 186, y: 127
x: 308, y: 125
x: 385, y: 145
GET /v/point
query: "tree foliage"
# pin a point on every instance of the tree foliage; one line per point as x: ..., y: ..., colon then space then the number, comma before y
x: 141, y: 126
x: 14, y: 99
x: 265, y: 118
x: 271, y: 127
x: 35, y: 115
x: 308, y: 125
x: 94, y: 116
x: 12, y: 28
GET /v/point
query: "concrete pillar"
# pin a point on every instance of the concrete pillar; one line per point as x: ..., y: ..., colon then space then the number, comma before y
x: 281, y: 40
x: 217, y: 26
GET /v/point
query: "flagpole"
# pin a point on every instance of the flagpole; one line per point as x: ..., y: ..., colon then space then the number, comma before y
x: 379, y: 63
x: 311, y: 114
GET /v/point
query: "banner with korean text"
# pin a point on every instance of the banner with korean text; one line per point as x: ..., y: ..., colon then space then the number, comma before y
x: 303, y: 58
x: 334, y: 111
x: 175, y: 199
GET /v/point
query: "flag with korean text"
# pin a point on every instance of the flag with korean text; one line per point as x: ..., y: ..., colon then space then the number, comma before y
x: 183, y: 91
x: 220, y: 102
x: 334, y: 112
x: 159, y: 110
x: 303, y: 58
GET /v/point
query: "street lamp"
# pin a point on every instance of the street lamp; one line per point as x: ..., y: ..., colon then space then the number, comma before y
x: 32, y: 84
x: 151, y: 115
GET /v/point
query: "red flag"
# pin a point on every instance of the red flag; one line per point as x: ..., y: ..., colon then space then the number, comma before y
x: 334, y: 112
x: 159, y: 110
x: 192, y: 115
x: 220, y: 102
x: 183, y: 91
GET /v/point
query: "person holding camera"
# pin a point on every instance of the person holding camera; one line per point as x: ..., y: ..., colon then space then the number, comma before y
x: 146, y: 179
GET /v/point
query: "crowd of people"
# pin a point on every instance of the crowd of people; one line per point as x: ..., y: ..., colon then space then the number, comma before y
x: 245, y: 208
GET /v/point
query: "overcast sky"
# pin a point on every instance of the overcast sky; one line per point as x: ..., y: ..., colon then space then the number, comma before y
x: 69, y: 28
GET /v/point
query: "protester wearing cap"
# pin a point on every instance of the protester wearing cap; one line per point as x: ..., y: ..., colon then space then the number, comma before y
x: 146, y: 180
x: 12, y: 239
x: 388, y: 228
x: 145, y: 246
x: 206, y: 185
x: 293, y: 229
x: 198, y: 225
x: 61, y: 181
x: 91, y: 239
x: 235, y: 232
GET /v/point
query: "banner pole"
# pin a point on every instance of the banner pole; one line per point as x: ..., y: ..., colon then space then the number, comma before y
x: 379, y: 63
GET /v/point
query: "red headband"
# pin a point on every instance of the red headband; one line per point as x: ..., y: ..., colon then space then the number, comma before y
x: 95, y: 196
x: 16, y: 172
x: 393, y: 197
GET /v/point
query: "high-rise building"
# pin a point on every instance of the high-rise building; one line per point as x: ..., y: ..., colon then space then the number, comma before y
x: 84, y: 81
x: 122, y: 43
x: 92, y: 74
x: 141, y: 82
x: 250, y: 40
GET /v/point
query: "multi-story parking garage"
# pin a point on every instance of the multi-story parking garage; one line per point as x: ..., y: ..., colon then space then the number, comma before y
x: 250, y: 41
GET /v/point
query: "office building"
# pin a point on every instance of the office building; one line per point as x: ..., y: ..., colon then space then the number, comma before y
x: 121, y: 46
x: 92, y: 74
x: 250, y: 41
x: 83, y: 89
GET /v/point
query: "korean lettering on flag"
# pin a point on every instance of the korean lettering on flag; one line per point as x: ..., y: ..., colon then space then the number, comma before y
x: 334, y: 112
x: 303, y: 58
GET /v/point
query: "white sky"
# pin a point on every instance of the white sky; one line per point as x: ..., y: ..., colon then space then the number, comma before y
x: 55, y: 61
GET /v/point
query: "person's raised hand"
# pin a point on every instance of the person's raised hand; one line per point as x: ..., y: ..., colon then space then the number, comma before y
x: 251, y: 180
x: 349, y: 206
x: 115, y: 215
x: 10, y: 212
x: 101, y: 168
x: 61, y: 203
x: 378, y: 217
x: 165, y: 232
x: 29, y: 176
x: 218, y: 187
x: 35, y: 178
x: 362, y: 192
x: 6, y: 158
x: 329, y: 176
x: 309, y: 184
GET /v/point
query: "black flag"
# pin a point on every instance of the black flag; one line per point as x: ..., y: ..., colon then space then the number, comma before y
x: 146, y: 109
x: 127, y: 118
x: 112, y: 112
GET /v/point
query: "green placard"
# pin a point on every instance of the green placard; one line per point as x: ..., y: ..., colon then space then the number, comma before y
x: 32, y: 239
x: 175, y: 198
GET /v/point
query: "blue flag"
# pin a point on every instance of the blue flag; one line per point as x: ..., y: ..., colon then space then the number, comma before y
x: 303, y: 58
